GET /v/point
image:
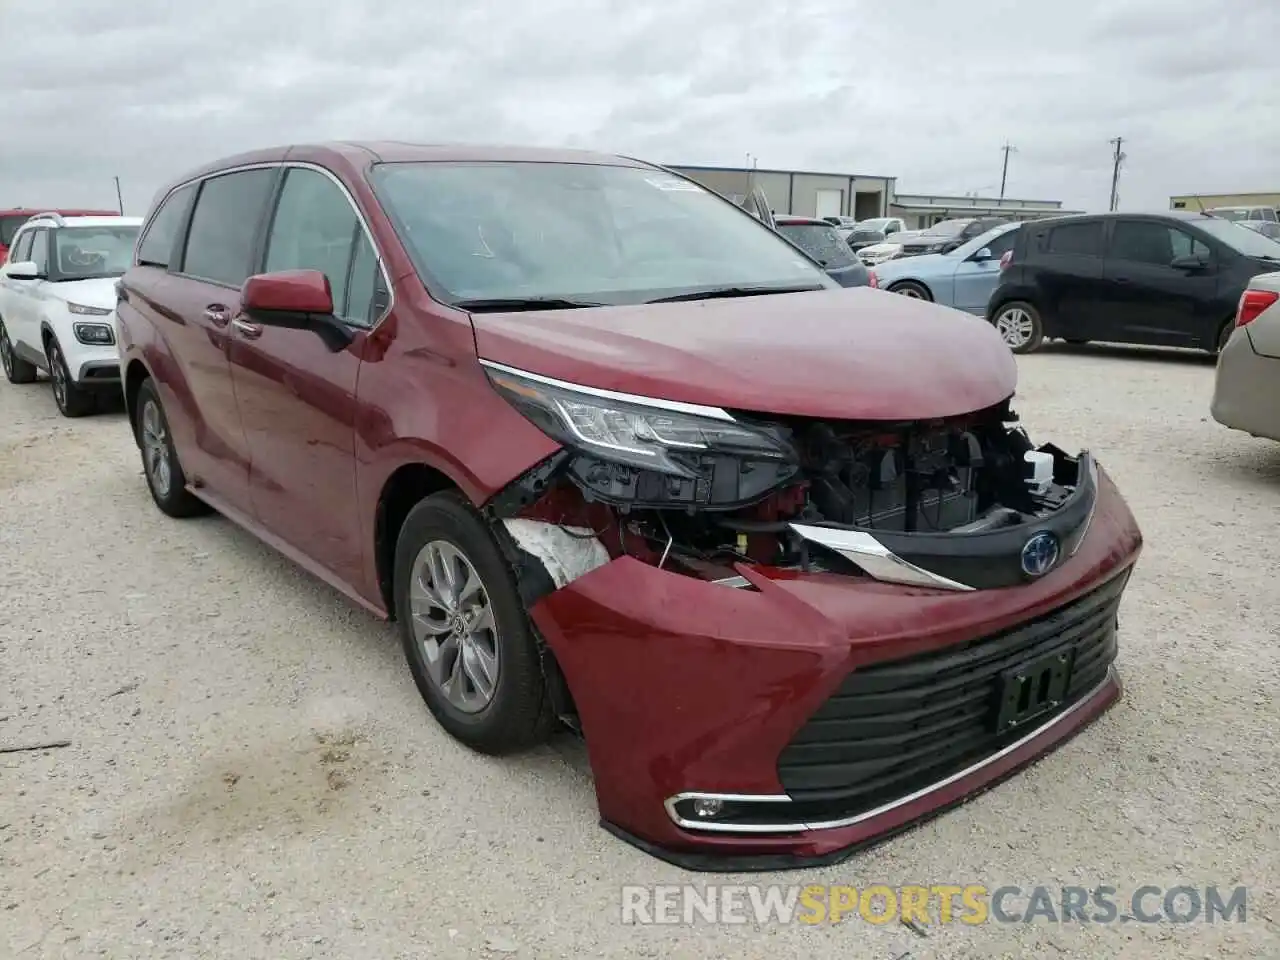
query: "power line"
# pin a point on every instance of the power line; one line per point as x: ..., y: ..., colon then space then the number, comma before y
x: 1008, y: 148
x: 1116, y: 160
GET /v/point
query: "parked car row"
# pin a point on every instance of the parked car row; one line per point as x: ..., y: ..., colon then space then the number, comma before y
x: 613, y: 453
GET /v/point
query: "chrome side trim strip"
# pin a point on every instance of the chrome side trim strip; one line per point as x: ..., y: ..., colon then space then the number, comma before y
x: 878, y: 811
x: 874, y: 558
x: 675, y: 406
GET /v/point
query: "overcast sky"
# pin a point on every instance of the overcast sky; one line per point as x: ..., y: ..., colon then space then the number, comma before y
x: 925, y: 90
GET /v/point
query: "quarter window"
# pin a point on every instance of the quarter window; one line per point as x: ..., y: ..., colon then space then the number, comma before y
x: 156, y: 249
x: 224, y: 225
x: 316, y: 228
x: 1077, y: 239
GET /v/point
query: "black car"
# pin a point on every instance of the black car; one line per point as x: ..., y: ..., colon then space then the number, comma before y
x: 946, y: 235
x: 1167, y: 279
x: 821, y: 241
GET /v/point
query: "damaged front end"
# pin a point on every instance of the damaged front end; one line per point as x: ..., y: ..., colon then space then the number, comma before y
x: 960, y: 503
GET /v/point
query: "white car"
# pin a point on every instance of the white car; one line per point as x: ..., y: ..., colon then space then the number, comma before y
x: 878, y: 253
x: 57, y: 305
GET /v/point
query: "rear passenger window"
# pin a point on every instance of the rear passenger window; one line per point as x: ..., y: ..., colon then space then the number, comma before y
x: 224, y: 225
x: 40, y: 250
x: 156, y: 248
x: 22, y: 249
x: 1077, y: 239
x: 316, y: 228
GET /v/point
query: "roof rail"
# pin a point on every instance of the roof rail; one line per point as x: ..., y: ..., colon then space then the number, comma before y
x: 50, y: 215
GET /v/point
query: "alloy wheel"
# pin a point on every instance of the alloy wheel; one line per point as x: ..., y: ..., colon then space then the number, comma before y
x: 59, y: 377
x: 155, y: 449
x: 453, y: 623
x: 911, y: 293
x: 1015, y: 327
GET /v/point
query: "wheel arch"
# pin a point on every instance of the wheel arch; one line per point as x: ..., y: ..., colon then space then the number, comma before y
x: 136, y: 373
x: 406, y: 487
x: 914, y: 281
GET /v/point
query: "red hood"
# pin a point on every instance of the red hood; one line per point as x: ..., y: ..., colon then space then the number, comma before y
x: 856, y: 354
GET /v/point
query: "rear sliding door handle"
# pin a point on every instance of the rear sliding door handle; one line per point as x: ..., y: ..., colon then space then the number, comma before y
x: 250, y: 331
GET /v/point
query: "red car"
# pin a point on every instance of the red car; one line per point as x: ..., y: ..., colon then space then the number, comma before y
x: 11, y: 220
x: 612, y: 452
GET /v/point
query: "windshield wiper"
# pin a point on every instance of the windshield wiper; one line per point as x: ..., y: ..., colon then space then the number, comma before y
x: 499, y: 304
x: 716, y: 292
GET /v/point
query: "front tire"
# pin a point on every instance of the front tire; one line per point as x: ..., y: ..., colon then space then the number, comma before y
x: 1019, y: 326
x: 912, y: 290
x: 72, y: 399
x: 469, y: 643
x: 16, y: 370
x: 165, y: 479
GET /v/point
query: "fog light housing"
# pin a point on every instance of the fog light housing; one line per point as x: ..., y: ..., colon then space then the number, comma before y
x: 708, y: 807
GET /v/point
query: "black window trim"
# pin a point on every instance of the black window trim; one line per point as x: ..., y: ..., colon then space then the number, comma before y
x: 384, y: 292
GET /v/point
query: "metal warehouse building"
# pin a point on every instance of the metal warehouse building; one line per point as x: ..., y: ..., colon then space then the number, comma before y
x: 1207, y: 201
x: 809, y: 194
x: 801, y: 192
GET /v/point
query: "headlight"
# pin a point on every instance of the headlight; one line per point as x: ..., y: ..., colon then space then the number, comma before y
x: 95, y: 334
x: 665, y: 437
x: 81, y: 310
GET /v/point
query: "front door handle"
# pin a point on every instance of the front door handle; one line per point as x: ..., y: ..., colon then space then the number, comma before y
x: 250, y: 331
x: 217, y: 314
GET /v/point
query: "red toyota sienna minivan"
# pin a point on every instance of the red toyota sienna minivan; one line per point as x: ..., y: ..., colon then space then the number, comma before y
x: 615, y: 454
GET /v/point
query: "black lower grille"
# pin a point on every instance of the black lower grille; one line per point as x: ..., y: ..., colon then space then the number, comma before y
x: 897, y: 727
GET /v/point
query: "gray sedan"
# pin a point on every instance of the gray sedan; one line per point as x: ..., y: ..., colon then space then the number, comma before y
x: 1246, y: 392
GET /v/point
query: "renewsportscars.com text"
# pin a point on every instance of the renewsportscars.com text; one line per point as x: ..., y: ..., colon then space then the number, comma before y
x: 971, y: 904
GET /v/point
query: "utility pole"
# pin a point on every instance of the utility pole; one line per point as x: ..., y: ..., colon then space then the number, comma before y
x: 119, y: 198
x: 1008, y: 148
x: 1116, y: 160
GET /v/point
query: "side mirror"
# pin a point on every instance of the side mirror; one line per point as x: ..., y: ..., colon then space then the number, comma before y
x: 982, y: 255
x: 22, y: 270
x: 298, y: 300
x: 1192, y: 264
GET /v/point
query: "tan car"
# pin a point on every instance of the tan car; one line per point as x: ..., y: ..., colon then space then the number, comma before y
x: 1246, y: 395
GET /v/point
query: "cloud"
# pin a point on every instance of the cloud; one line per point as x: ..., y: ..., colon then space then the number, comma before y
x: 926, y: 90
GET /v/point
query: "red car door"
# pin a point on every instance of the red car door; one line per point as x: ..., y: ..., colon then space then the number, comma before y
x: 200, y: 299
x: 296, y: 395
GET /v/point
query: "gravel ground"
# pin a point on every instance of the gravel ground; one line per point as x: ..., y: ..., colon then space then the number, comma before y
x: 252, y: 774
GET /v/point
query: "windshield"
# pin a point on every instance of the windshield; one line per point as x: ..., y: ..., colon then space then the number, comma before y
x: 1240, y: 239
x: 578, y: 232
x: 9, y: 226
x: 84, y: 253
x: 947, y: 228
x: 824, y: 244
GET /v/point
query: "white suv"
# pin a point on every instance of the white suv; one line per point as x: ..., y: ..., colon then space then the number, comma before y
x: 57, y: 304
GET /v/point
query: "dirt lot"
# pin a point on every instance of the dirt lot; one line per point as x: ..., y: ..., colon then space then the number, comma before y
x: 252, y: 774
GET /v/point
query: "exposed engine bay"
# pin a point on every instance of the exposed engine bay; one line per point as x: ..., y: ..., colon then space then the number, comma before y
x: 962, y: 476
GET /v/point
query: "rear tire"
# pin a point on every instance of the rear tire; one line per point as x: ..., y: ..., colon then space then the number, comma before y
x: 471, y: 648
x: 912, y: 290
x: 16, y: 370
x: 72, y: 399
x: 1019, y: 326
x: 165, y: 479
x: 1223, y: 336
